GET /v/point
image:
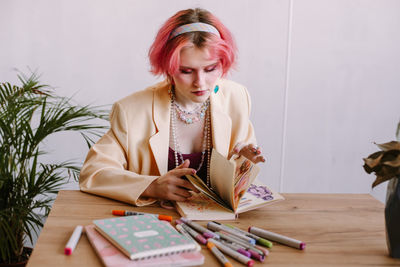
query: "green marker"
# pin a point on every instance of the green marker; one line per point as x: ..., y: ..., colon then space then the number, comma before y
x: 259, y: 240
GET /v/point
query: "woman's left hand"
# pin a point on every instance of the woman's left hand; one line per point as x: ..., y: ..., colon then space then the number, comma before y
x: 250, y: 151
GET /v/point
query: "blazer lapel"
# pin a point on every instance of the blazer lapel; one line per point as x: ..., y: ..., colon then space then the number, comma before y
x: 221, y: 124
x: 159, y: 142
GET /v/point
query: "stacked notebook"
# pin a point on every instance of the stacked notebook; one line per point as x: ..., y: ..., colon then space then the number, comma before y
x: 141, y: 240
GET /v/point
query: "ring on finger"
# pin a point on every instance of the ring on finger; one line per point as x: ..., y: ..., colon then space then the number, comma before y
x: 255, y: 149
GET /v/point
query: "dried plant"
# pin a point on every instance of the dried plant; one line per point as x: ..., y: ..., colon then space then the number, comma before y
x: 385, y: 163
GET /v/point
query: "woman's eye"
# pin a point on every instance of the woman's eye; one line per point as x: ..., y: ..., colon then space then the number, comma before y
x: 210, y: 69
x: 185, y: 71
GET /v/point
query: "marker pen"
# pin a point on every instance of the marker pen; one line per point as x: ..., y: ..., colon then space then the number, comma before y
x: 130, y: 213
x: 236, y: 247
x: 185, y: 233
x: 278, y: 238
x: 215, y: 226
x: 194, y: 234
x: 248, y: 252
x: 244, y: 244
x: 73, y: 240
x: 220, y: 257
x: 236, y: 255
x: 259, y: 240
x: 204, y: 231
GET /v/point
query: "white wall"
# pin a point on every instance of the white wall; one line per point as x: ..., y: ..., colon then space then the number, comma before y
x: 323, y: 74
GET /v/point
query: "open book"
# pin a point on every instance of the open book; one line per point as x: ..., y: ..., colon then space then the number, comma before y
x: 234, y: 190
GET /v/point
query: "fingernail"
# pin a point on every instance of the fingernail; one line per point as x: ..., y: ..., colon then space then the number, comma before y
x: 236, y: 150
x: 193, y: 171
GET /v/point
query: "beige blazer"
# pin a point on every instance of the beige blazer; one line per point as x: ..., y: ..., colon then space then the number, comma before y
x: 134, y: 152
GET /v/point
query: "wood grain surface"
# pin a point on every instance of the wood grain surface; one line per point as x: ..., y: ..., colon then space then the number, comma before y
x: 339, y: 229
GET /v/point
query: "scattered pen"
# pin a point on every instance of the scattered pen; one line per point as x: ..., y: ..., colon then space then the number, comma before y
x: 185, y: 233
x: 259, y: 240
x: 192, y: 232
x: 236, y: 247
x: 204, y: 231
x: 233, y: 239
x: 215, y: 226
x: 236, y: 255
x: 73, y: 240
x: 278, y: 238
x: 218, y: 254
x: 129, y: 213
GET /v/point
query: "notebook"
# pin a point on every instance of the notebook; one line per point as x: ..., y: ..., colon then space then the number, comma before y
x: 143, y: 236
x: 201, y: 207
x: 113, y: 257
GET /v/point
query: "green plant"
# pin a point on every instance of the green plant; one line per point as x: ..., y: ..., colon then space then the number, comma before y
x: 28, y: 115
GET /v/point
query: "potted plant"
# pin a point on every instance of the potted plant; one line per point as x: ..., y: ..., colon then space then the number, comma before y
x: 29, y: 114
x: 386, y: 166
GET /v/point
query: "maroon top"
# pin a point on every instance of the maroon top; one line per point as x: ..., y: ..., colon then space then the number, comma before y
x: 195, y: 159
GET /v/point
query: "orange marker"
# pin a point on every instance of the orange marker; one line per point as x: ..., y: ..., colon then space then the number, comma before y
x: 218, y: 254
x: 129, y: 213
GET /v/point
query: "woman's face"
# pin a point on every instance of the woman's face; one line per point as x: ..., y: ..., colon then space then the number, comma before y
x: 196, y: 76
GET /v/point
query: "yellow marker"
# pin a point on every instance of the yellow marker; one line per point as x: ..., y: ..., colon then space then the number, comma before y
x: 218, y: 254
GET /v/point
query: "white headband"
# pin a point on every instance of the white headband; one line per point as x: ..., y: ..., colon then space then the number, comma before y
x: 194, y: 27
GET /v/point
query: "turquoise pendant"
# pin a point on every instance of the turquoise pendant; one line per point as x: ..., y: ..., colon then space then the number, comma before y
x: 216, y: 89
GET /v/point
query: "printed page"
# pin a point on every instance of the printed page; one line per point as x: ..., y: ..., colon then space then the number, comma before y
x: 257, y: 195
x: 245, y: 173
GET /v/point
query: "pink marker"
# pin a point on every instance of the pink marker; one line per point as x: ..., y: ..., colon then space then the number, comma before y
x: 192, y: 232
x: 73, y: 240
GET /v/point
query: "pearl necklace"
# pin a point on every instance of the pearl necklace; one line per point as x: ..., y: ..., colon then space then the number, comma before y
x: 206, y: 142
x: 195, y: 115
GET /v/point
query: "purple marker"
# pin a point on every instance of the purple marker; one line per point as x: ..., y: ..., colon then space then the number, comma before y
x: 277, y: 238
x: 236, y: 247
x: 192, y: 232
x: 204, y: 231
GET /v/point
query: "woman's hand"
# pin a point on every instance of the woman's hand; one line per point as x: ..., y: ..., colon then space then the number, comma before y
x: 171, y: 186
x: 250, y: 151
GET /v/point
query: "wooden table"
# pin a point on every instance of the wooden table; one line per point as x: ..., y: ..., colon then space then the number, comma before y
x: 339, y: 229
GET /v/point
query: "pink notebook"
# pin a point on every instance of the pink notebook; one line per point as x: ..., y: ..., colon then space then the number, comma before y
x: 113, y: 257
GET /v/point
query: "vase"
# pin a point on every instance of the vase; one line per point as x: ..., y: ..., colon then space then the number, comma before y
x: 392, y: 217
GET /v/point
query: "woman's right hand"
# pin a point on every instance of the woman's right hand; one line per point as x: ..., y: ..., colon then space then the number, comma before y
x: 171, y: 186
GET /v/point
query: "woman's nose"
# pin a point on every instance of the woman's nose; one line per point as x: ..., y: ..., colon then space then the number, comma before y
x: 199, y: 80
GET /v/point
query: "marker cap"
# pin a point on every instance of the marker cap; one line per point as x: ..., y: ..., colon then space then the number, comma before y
x: 118, y: 212
x: 264, y: 242
x: 67, y: 251
x: 165, y: 218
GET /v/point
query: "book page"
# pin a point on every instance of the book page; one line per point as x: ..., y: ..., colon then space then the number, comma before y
x: 245, y: 173
x: 257, y: 195
x: 222, y: 177
x: 202, y: 187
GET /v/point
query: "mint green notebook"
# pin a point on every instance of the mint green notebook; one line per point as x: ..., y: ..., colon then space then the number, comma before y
x: 143, y: 236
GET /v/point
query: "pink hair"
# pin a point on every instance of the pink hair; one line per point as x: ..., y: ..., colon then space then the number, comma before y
x: 164, y: 52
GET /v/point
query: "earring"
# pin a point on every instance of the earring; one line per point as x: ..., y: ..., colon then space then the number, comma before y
x: 216, y: 89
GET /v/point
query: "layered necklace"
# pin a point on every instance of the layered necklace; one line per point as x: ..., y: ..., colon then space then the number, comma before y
x: 189, y: 117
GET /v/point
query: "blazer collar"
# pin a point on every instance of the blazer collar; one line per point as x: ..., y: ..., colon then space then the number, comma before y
x: 221, y: 125
x: 159, y: 142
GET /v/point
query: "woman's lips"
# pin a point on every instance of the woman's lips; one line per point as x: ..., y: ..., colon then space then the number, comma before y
x: 200, y: 93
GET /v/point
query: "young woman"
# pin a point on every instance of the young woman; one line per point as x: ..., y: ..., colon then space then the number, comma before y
x: 168, y: 130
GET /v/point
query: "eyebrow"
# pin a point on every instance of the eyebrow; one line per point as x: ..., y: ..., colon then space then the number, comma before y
x: 211, y: 65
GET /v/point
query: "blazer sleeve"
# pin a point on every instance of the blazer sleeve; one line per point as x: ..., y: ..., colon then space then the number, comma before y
x: 239, y: 110
x: 105, y: 170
